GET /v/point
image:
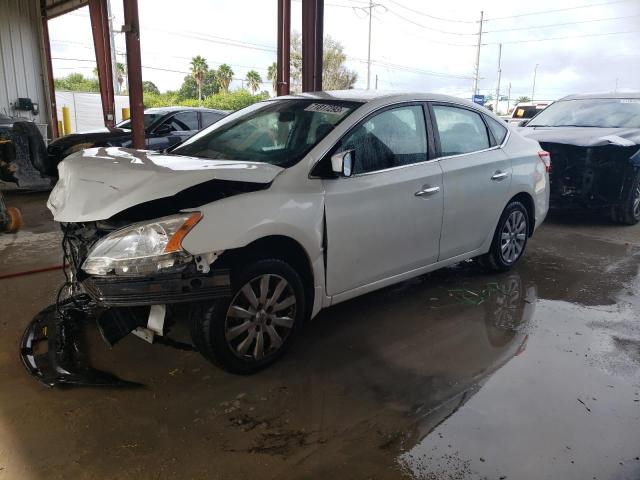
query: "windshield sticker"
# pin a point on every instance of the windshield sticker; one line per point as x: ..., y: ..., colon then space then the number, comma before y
x: 326, y: 108
x: 630, y: 100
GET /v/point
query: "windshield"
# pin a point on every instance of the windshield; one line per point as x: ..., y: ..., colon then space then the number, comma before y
x: 591, y: 112
x: 149, y: 118
x: 279, y: 132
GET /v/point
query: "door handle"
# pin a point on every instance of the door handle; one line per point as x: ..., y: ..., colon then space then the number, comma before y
x: 427, y: 191
x: 499, y: 176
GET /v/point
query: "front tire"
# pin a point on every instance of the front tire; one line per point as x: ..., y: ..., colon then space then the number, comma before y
x: 628, y: 213
x: 256, y: 325
x: 509, y: 240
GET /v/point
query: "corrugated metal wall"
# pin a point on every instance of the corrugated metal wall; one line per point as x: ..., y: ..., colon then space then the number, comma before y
x: 21, y: 65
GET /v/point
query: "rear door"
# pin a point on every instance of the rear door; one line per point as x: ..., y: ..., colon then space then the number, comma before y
x: 385, y: 219
x: 476, y: 176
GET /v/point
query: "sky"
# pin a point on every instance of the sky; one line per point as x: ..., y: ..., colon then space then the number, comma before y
x: 579, y: 46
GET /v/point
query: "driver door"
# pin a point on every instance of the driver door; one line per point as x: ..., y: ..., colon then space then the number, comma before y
x: 385, y: 219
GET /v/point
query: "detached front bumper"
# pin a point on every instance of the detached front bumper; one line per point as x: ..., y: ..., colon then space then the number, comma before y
x: 53, y: 347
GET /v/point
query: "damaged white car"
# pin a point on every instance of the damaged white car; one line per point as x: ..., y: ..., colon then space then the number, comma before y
x: 275, y: 212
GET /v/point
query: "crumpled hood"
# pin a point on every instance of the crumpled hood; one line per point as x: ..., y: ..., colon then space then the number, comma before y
x: 97, y: 183
x: 583, y: 136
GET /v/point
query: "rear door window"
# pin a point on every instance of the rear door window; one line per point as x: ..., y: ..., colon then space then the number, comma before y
x: 209, y: 118
x: 460, y: 130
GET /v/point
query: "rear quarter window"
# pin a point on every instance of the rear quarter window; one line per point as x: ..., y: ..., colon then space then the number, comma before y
x: 498, y: 130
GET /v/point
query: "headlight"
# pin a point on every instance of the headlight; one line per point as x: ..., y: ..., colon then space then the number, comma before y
x: 142, y: 248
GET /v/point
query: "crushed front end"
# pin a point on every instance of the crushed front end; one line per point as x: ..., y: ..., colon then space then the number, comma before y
x: 126, y: 278
x: 591, y: 176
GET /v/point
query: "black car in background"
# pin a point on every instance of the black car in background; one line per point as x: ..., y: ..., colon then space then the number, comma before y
x: 594, y: 142
x: 164, y: 128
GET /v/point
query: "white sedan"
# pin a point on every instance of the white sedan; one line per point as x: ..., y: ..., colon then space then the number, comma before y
x: 292, y: 205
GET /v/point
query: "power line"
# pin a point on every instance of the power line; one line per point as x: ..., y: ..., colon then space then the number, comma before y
x: 561, y: 24
x: 395, y: 66
x: 563, y: 38
x: 447, y: 32
x: 432, y: 16
x: 557, y: 10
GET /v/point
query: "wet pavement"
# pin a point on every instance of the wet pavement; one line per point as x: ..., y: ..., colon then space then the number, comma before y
x: 533, y: 374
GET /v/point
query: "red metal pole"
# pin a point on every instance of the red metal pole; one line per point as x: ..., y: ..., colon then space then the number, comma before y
x: 134, y: 72
x: 49, y: 66
x: 312, y: 27
x: 102, y: 46
x: 284, y: 41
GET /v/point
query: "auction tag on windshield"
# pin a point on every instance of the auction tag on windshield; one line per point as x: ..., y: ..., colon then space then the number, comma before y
x: 630, y: 100
x: 326, y: 108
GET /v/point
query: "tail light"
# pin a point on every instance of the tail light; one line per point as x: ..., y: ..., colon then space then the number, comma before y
x: 545, y: 157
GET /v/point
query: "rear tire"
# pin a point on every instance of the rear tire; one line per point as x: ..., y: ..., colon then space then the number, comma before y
x: 628, y: 213
x: 256, y: 325
x: 509, y: 240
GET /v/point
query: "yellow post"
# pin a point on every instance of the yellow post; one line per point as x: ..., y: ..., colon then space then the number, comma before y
x: 66, y: 120
x: 60, y: 129
x: 126, y: 113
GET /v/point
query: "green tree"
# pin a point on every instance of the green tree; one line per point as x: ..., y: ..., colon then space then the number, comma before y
x: 224, y: 76
x: 335, y: 74
x: 254, y: 80
x: 199, y: 69
x: 189, y: 88
x: 523, y: 99
x: 77, y: 82
x: 272, y: 75
x: 149, y: 87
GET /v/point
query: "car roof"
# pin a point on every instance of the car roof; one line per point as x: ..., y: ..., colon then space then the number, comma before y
x: 163, y: 110
x: 365, y: 96
x: 602, y: 95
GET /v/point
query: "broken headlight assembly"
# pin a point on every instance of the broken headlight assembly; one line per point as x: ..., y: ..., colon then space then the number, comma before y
x: 142, y: 248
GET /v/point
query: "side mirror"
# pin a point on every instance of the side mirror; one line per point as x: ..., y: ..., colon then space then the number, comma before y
x: 523, y: 123
x: 342, y: 163
x: 163, y: 129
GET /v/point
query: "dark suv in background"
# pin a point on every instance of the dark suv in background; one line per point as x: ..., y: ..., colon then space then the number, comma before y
x: 164, y: 128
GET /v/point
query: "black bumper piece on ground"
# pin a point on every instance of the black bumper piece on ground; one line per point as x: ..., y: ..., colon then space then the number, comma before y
x: 63, y: 361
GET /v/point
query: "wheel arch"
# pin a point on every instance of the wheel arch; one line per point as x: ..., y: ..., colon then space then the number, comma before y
x: 527, y: 200
x: 275, y: 246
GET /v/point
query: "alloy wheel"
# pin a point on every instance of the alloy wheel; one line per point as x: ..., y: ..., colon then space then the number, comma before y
x: 260, y: 317
x: 636, y: 202
x: 513, y: 237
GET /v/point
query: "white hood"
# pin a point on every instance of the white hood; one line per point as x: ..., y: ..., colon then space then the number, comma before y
x: 97, y: 183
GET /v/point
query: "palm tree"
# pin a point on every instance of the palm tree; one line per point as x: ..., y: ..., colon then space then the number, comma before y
x: 120, y: 74
x: 272, y: 75
x: 199, y: 70
x: 253, y: 81
x: 523, y: 99
x: 224, y: 75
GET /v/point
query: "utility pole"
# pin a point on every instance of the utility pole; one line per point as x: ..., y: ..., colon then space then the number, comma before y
x: 369, y: 48
x: 376, y: 81
x: 497, y: 102
x: 477, y: 73
x: 509, y: 98
x: 533, y: 89
x: 616, y: 90
x: 114, y: 60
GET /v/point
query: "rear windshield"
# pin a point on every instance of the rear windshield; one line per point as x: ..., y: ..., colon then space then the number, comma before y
x: 591, y: 112
x: 279, y: 132
x: 526, y: 112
